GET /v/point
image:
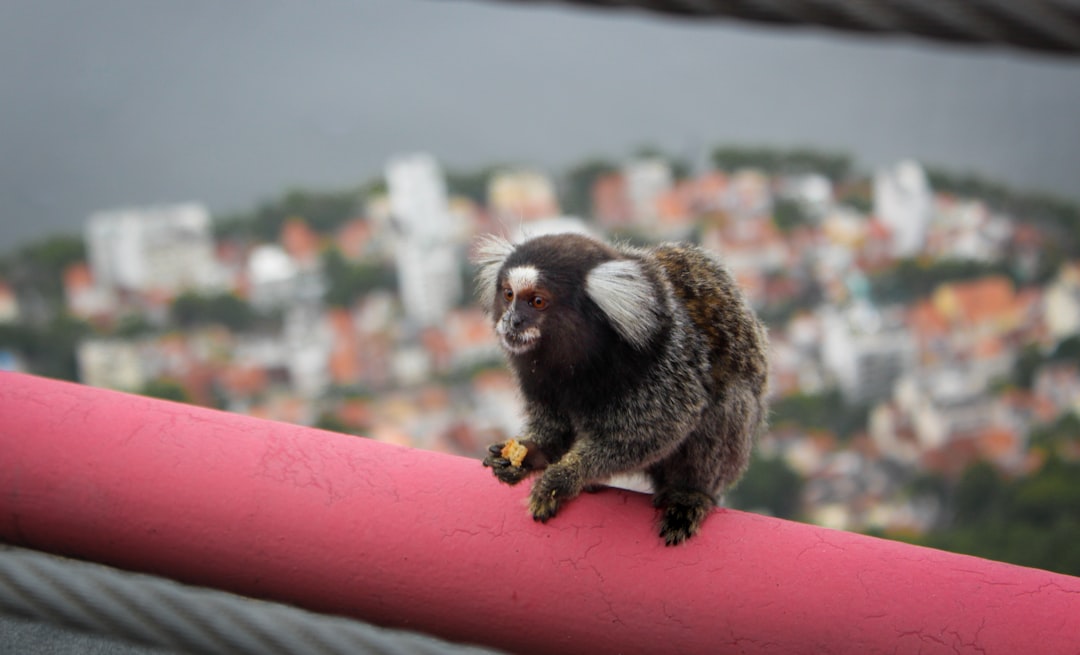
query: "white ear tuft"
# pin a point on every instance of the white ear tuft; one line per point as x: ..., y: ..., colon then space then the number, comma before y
x: 627, y: 297
x: 489, y: 254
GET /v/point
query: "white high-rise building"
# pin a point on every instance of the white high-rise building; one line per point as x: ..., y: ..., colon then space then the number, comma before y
x: 418, y: 196
x: 167, y: 248
x: 427, y: 249
x: 903, y: 200
x: 865, y: 351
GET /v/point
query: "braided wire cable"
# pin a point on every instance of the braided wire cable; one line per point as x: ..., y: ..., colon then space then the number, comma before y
x: 1048, y: 26
x: 161, y: 613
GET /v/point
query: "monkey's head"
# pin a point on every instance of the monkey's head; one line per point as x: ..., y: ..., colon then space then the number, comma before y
x: 567, y: 295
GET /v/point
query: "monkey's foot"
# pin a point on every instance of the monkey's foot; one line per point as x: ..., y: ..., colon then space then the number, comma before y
x: 683, y: 516
x: 503, y: 468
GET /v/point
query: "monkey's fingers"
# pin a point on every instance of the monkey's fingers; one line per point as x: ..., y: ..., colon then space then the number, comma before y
x: 496, y: 461
x: 507, y: 473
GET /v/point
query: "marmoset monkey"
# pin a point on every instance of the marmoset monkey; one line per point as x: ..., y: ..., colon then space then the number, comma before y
x: 629, y: 360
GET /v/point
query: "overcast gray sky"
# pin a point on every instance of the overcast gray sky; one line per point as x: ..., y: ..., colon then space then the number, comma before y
x: 110, y: 103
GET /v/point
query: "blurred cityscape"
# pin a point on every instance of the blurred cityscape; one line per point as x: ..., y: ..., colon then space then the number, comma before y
x: 925, y: 327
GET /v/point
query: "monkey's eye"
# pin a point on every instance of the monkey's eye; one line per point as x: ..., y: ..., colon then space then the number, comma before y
x: 538, y: 302
x: 508, y: 294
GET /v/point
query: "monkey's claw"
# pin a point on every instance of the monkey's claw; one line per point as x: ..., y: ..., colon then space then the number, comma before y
x: 674, y: 534
x: 543, y: 505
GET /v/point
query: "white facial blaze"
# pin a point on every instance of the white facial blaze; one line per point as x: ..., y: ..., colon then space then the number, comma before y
x: 522, y: 278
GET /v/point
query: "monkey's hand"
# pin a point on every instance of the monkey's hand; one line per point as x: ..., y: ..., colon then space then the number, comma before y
x: 505, y: 470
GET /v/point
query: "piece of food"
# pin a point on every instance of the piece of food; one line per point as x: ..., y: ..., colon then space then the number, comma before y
x: 515, y: 452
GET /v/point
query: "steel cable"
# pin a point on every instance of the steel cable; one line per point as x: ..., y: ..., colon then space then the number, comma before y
x: 1050, y: 26
x: 161, y: 613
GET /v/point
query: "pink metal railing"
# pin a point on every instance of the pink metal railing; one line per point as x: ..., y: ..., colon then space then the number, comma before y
x: 432, y: 542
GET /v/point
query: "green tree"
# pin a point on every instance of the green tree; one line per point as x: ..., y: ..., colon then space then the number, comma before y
x: 1067, y: 351
x: 1059, y: 216
x: 826, y: 411
x: 778, y: 161
x: 132, y: 325
x: 347, y: 283
x: 191, y: 309
x: 788, y: 215
x: 37, y: 270
x: 471, y: 184
x: 323, y: 211
x: 56, y: 253
x: 49, y: 349
x: 911, y: 279
x: 979, y: 494
x: 835, y: 166
x: 166, y: 389
x: 1027, y: 365
x: 1031, y: 520
x: 1043, y: 499
x: 770, y: 485
x: 578, y: 185
x: 331, y: 422
x: 732, y: 158
x: 927, y: 484
x: 1055, y: 435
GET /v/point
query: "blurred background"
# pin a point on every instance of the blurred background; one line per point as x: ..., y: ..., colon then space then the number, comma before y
x: 266, y: 207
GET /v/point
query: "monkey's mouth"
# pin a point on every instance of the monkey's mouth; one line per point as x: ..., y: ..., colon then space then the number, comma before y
x: 518, y: 343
